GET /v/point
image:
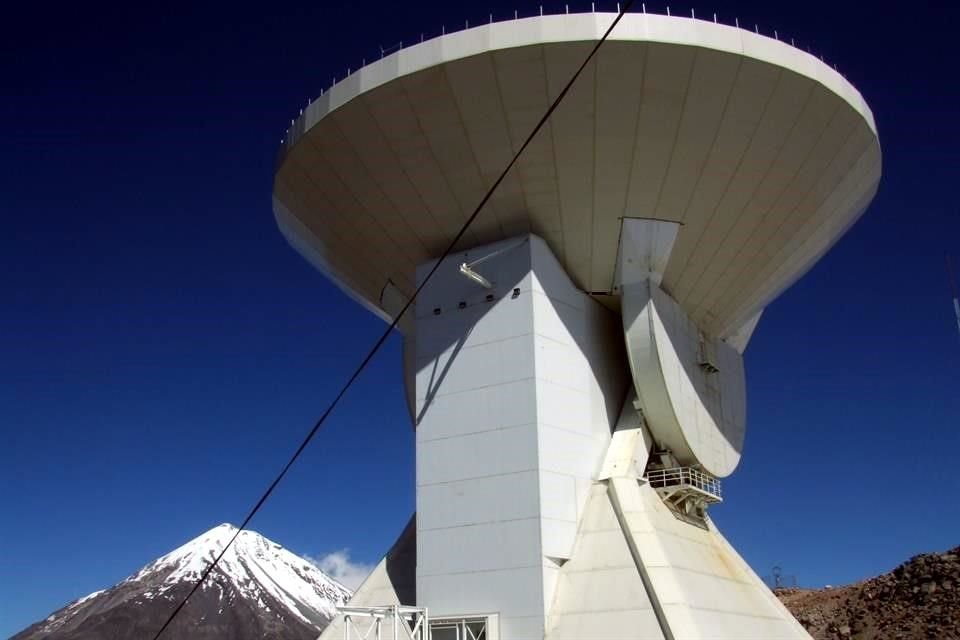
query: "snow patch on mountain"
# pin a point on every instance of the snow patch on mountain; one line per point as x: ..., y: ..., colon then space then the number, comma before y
x: 254, y: 565
x: 254, y: 574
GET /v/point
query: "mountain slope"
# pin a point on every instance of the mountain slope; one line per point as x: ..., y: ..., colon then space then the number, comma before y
x: 919, y: 599
x: 258, y: 590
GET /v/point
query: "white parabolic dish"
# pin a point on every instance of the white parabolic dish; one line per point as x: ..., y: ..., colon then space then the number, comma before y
x: 764, y: 154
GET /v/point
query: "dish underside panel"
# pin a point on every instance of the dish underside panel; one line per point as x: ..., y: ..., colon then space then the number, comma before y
x: 763, y: 167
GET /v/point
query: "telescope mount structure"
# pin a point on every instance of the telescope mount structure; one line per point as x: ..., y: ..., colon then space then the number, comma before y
x: 574, y: 368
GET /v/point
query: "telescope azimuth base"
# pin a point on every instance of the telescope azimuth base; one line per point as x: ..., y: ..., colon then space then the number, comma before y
x: 547, y: 503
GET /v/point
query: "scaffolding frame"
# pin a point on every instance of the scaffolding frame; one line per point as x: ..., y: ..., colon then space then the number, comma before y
x: 403, y: 623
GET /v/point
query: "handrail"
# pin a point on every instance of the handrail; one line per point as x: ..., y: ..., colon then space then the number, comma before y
x: 684, y: 476
x: 491, y: 19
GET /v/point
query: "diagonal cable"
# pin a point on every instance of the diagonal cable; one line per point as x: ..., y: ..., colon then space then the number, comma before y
x: 393, y: 325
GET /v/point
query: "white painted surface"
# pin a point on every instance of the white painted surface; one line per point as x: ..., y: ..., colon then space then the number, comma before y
x: 699, y: 415
x: 630, y: 445
x: 706, y: 590
x: 644, y: 250
x: 600, y: 593
x: 515, y: 399
x: 741, y: 337
x: 761, y: 152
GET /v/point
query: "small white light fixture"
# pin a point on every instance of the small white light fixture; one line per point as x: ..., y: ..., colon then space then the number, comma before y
x: 476, y: 277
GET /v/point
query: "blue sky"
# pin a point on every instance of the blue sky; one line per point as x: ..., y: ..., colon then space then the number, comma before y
x: 162, y: 350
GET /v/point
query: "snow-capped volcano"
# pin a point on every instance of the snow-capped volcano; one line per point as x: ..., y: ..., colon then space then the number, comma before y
x: 258, y: 590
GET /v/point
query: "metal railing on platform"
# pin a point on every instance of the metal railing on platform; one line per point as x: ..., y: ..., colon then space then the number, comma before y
x: 395, y: 622
x: 398, y: 622
x: 555, y: 8
x: 683, y: 478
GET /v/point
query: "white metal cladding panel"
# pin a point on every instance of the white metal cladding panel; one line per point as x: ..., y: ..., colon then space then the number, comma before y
x: 570, y: 357
x: 477, y: 500
x: 657, y: 120
x: 711, y: 79
x: 491, y: 408
x: 557, y: 538
x: 357, y: 272
x: 712, y: 216
x: 559, y: 510
x: 482, y: 547
x: 599, y: 593
x: 512, y: 593
x: 723, y: 186
x: 522, y: 627
x: 571, y: 340
x: 723, y: 624
x: 329, y: 191
x: 706, y: 589
x: 565, y: 317
x: 563, y: 365
x: 559, y: 321
x: 558, y: 497
x: 610, y: 625
x: 379, y: 181
x: 484, y: 125
x: 564, y: 409
x: 784, y: 185
x: 306, y: 242
x: 609, y: 588
x: 772, y: 223
x: 566, y: 451
x: 507, y: 270
x: 573, y: 141
x: 478, y: 324
x: 700, y: 416
x: 853, y: 191
x: 338, y: 160
x: 615, y: 149
x: 477, y: 455
x: 716, y: 443
x: 494, y: 494
x: 552, y: 280
x: 433, y: 102
x: 453, y: 371
x: 521, y: 85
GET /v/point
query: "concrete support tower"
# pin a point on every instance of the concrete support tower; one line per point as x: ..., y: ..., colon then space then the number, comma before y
x: 574, y: 369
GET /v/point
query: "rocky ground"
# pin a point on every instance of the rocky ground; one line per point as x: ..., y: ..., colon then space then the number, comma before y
x: 918, y: 599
